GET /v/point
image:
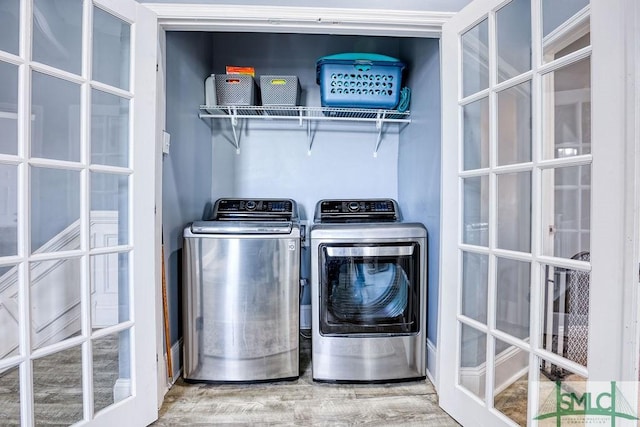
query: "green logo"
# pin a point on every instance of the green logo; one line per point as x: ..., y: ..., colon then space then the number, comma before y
x: 569, y: 404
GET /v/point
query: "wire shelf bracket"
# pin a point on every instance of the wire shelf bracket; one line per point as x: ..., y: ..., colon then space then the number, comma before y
x: 301, y: 114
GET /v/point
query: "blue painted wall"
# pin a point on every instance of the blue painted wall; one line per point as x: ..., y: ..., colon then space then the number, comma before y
x: 274, y: 159
x: 187, y: 172
x: 419, y: 158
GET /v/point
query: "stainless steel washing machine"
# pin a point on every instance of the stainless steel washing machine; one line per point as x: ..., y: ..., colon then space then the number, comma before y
x: 368, y: 289
x: 241, y: 292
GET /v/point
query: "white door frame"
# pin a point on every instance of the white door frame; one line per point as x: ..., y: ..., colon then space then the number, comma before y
x: 632, y: 308
x: 186, y: 17
x: 616, y: 53
x: 147, y: 270
x: 303, y: 20
x: 275, y: 19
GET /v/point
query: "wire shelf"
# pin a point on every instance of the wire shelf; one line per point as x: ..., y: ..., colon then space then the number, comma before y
x: 304, y: 113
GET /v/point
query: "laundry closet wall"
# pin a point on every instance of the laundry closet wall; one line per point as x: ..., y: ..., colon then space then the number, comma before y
x: 277, y: 160
x: 419, y: 168
x: 186, y: 170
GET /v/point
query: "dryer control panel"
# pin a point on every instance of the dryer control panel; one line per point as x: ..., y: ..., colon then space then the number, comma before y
x: 357, y: 210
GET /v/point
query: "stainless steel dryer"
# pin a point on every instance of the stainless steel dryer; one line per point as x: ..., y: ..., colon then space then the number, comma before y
x: 368, y: 289
x: 241, y: 292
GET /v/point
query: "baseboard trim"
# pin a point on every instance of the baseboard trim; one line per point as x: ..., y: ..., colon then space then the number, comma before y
x: 432, y: 372
x: 176, y: 361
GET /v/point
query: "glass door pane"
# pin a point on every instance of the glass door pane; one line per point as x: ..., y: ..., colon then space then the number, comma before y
x: 55, y: 127
x: 55, y: 301
x: 476, y: 134
x: 473, y: 360
x: 475, y: 286
x: 57, y: 388
x: 10, y: 25
x: 475, y: 68
x: 566, y: 308
x: 565, y: 27
x: 475, y: 226
x: 109, y: 129
x: 567, y: 210
x: 513, y: 27
x: 57, y: 34
x: 109, y: 210
x: 514, y: 125
x: 513, y: 297
x: 511, y: 382
x: 9, y: 312
x: 10, y: 396
x: 8, y: 210
x: 567, y: 102
x: 513, y: 214
x: 8, y: 108
x: 111, y: 49
x: 55, y: 209
x: 111, y: 369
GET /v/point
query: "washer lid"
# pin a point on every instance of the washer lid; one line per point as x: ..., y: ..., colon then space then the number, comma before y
x: 241, y: 227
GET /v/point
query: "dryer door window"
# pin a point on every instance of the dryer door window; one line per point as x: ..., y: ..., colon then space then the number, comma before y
x: 369, y: 289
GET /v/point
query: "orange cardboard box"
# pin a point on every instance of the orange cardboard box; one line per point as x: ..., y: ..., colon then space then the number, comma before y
x: 231, y: 69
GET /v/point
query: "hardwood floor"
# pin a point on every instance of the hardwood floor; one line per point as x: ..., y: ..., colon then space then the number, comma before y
x: 303, y: 402
x: 58, y: 397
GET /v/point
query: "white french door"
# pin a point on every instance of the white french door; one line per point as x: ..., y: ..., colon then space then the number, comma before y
x: 77, y: 233
x: 537, y: 272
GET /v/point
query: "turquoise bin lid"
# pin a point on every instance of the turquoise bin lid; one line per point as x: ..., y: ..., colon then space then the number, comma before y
x: 359, y: 56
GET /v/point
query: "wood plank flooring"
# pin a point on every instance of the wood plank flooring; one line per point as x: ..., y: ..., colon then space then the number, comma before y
x: 303, y: 402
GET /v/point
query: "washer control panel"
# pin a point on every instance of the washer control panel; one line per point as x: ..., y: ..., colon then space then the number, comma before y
x: 254, y: 208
